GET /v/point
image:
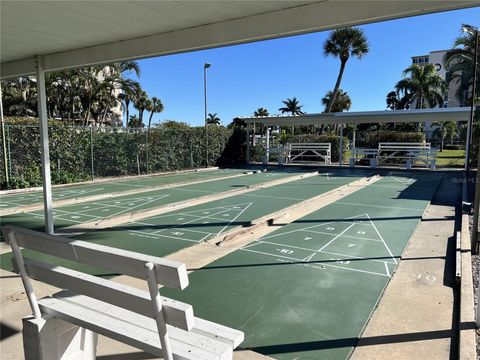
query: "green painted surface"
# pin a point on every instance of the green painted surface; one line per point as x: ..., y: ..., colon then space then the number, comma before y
x: 101, y: 209
x: 306, y: 290
x: 36, y: 197
x: 164, y: 234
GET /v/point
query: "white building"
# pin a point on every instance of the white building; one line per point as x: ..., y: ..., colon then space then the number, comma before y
x: 436, y: 57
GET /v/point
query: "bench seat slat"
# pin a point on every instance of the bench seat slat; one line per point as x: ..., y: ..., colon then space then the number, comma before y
x: 135, y: 330
x: 218, y: 332
x: 177, y: 313
x: 169, y: 273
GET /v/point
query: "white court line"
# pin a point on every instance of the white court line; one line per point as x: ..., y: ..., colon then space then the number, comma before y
x: 335, y: 238
x: 381, y: 237
x: 157, y: 235
x: 292, y: 231
x: 386, y: 268
x: 356, y: 257
x: 139, y: 205
x: 347, y: 236
x: 195, y: 190
x: 201, y: 217
x: 314, y: 266
x: 273, y: 197
x: 378, y: 206
x: 235, y: 218
x: 323, y: 251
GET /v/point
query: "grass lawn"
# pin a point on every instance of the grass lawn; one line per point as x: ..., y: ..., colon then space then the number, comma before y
x: 451, y: 158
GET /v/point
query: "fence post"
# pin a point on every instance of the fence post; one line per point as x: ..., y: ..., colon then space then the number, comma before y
x: 9, y: 152
x: 191, y: 153
x: 91, y: 153
x: 147, y: 149
x: 5, y: 165
x: 138, y: 164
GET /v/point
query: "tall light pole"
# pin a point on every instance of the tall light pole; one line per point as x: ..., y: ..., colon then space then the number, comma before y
x: 205, y: 67
x: 474, y: 32
x: 476, y: 204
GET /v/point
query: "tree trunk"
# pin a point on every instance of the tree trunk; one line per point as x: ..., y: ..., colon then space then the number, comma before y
x: 150, y: 120
x: 337, y: 86
x: 127, y: 115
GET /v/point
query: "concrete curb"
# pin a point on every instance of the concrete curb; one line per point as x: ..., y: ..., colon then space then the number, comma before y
x: 467, y: 337
x: 108, y: 179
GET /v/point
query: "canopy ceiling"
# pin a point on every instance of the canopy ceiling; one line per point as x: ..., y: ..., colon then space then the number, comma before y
x: 364, y: 117
x: 75, y: 33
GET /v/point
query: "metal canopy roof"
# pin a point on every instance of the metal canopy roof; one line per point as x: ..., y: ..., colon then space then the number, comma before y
x: 364, y: 117
x: 75, y: 33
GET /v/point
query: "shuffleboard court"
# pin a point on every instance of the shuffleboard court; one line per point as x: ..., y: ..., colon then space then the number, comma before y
x: 108, y: 187
x: 164, y: 234
x: 93, y: 211
x: 306, y: 291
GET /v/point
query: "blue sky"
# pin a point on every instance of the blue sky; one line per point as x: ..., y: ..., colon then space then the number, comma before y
x: 262, y: 74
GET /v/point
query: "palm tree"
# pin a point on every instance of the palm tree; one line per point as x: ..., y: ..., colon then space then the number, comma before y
x: 395, y: 102
x: 423, y: 86
x: 445, y: 130
x: 129, y: 89
x: 135, y: 122
x: 292, y: 106
x: 343, y: 43
x: 154, y: 106
x: 261, y: 112
x: 213, y: 119
x: 141, y: 103
x: 459, y: 66
x: 342, y: 101
x: 257, y: 113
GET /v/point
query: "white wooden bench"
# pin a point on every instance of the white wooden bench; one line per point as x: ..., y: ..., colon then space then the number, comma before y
x: 65, y: 325
x: 304, y: 152
x: 407, y: 153
x: 364, y: 154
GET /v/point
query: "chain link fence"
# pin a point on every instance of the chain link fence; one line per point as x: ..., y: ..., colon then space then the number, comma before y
x: 86, y: 153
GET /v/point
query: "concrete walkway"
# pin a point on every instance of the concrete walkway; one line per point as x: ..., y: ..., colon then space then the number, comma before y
x: 415, y: 319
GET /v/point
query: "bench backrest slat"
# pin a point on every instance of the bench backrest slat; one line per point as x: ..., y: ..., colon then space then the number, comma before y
x: 302, y: 146
x: 170, y: 273
x: 176, y: 313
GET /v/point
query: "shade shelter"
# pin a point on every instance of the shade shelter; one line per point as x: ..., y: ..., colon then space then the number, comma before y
x: 355, y: 118
x: 43, y: 36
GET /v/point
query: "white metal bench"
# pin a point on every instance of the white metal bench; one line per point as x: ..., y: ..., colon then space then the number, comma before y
x: 65, y: 325
x: 364, y: 154
x: 408, y: 153
x: 309, y: 152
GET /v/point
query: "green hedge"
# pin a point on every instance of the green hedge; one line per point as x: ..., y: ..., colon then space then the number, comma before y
x: 115, y: 152
x: 370, y: 139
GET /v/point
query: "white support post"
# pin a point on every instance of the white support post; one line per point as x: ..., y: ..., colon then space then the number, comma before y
x: 43, y: 123
x: 341, y: 145
x: 268, y: 145
x: 159, y: 315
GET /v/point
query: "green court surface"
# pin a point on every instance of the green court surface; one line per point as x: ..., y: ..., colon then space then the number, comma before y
x: 101, y: 209
x: 164, y: 234
x: 101, y: 188
x: 306, y: 290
